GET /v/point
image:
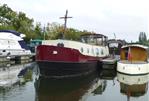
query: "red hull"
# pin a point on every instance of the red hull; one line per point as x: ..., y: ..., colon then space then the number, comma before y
x: 56, y: 61
x: 46, y: 53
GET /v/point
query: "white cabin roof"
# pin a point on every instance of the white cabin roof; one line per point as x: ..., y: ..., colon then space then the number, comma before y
x: 135, y: 45
x: 9, y: 36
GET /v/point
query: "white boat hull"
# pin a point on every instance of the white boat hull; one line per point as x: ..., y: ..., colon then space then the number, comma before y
x: 12, y: 44
x: 133, y: 68
x: 132, y: 80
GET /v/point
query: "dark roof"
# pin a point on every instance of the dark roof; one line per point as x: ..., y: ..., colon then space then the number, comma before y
x: 11, y: 31
x: 122, y: 42
x: 94, y: 35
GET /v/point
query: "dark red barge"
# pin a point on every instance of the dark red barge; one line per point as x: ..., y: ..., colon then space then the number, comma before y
x: 65, y: 58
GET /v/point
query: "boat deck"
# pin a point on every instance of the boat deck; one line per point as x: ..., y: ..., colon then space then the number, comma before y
x: 110, y: 60
x: 132, y: 62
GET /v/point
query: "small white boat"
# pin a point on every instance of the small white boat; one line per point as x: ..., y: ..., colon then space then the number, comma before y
x: 133, y: 60
x: 12, y: 44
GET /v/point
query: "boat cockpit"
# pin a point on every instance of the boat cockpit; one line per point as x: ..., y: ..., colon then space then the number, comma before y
x: 94, y: 39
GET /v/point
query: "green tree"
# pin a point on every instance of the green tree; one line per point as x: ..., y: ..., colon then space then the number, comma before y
x: 54, y: 30
x: 38, y: 31
x: 142, y: 37
x: 11, y: 20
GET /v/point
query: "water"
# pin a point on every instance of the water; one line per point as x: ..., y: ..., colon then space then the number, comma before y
x: 108, y: 85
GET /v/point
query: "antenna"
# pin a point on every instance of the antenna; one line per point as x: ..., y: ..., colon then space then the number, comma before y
x: 114, y: 36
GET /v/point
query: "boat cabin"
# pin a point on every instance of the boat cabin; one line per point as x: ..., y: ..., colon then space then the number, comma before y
x: 94, y: 39
x: 134, y: 52
x: 115, y: 46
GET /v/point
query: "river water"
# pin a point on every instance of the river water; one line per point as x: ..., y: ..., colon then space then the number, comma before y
x: 106, y: 85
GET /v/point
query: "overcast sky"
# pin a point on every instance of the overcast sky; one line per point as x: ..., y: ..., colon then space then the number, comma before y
x: 125, y: 18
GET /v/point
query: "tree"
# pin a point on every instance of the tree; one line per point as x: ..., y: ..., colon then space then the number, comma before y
x: 38, y: 31
x: 54, y: 30
x: 11, y: 20
x: 143, y: 38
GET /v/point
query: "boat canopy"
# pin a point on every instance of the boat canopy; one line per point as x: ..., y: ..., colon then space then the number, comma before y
x: 134, y: 52
x: 94, y: 39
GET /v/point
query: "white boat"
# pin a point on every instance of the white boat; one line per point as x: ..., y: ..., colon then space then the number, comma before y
x: 134, y: 60
x: 12, y: 44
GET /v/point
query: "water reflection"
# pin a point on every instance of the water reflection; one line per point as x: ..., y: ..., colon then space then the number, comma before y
x: 133, y: 86
x: 9, y: 74
x: 106, y: 85
x: 16, y: 90
x: 68, y: 89
x: 108, y: 74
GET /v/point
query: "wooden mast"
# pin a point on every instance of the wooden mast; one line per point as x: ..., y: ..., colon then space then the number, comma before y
x: 65, y: 23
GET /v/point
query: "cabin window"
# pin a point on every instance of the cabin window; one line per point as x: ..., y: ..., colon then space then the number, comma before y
x: 92, y: 51
x: 97, y: 51
x: 23, y: 45
x: 87, y: 50
x: 82, y: 49
x: 94, y: 39
x: 113, y: 45
x: 99, y: 41
x: 102, y: 52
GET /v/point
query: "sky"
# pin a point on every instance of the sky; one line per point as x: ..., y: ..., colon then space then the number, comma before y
x: 125, y: 18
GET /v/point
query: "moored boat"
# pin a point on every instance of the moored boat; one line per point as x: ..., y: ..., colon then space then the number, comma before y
x: 12, y: 44
x: 133, y: 60
x: 67, y: 58
x: 115, y: 46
